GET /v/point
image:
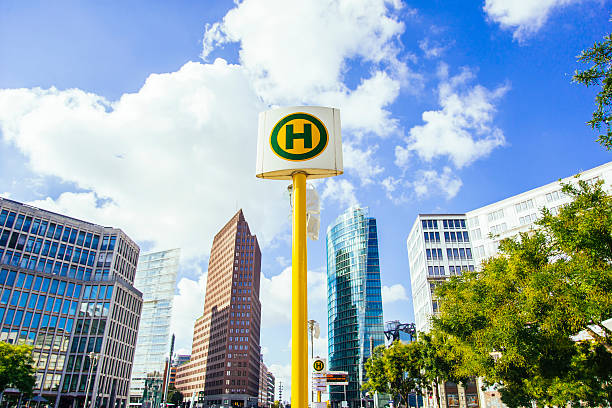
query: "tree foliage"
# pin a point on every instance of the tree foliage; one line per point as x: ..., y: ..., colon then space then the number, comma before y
x: 174, y: 396
x: 397, y: 370
x: 599, y: 74
x: 16, y: 367
x: 512, y: 322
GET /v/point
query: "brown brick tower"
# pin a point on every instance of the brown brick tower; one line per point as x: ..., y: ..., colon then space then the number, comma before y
x: 224, y: 364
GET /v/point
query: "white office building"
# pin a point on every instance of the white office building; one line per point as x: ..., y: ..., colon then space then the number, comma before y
x: 516, y: 214
x: 156, y: 279
x: 438, y: 247
x: 443, y: 245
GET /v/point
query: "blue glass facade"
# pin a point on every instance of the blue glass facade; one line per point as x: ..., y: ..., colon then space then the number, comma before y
x: 354, y: 300
x: 66, y: 290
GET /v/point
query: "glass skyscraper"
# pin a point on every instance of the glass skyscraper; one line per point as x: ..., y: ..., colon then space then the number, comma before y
x: 354, y: 300
x: 156, y: 279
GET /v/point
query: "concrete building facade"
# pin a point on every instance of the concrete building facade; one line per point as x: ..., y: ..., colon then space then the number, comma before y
x: 178, y: 360
x: 442, y: 245
x: 439, y: 246
x: 67, y: 290
x: 509, y: 217
x: 271, y: 389
x: 262, y: 397
x: 224, y: 364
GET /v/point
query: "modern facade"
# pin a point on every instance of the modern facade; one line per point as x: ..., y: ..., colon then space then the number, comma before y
x: 439, y: 246
x: 67, y: 290
x: 442, y: 245
x: 508, y: 217
x: 270, y: 390
x: 262, y: 398
x: 178, y: 360
x: 156, y: 279
x: 224, y: 364
x: 354, y: 300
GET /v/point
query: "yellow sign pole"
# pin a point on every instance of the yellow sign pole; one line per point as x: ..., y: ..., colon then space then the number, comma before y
x: 299, y: 302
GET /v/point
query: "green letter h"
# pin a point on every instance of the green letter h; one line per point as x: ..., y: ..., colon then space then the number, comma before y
x: 306, y: 136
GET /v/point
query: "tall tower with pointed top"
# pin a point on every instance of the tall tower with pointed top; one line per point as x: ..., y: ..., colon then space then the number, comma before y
x: 224, y: 364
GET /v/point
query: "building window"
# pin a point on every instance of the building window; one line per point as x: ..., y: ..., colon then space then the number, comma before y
x: 495, y: 215
x: 499, y: 228
x: 523, y: 205
x: 528, y: 219
x: 453, y: 224
x: 429, y: 224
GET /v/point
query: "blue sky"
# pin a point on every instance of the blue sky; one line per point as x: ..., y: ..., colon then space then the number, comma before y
x: 143, y: 115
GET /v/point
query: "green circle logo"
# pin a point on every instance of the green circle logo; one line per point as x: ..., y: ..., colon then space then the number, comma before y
x: 299, y: 136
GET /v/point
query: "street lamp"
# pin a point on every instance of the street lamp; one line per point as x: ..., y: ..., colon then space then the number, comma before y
x: 93, y: 360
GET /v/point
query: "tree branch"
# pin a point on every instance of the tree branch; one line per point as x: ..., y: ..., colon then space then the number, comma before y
x: 599, y: 339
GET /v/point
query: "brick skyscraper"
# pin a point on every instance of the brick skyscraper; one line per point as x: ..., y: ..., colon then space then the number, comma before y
x: 224, y: 364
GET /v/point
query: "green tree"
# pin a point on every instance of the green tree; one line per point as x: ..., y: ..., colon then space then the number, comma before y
x: 441, y: 361
x: 599, y: 74
x: 174, y: 396
x: 375, y: 371
x: 512, y: 322
x: 397, y: 370
x: 276, y: 404
x: 16, y: 368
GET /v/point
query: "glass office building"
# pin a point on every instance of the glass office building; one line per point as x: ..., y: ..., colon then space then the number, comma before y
x: 354, y: 301
x: 66, y: 289
x: 156, y: 279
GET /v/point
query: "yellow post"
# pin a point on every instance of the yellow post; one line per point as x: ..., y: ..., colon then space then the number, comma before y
x: 299, y: 302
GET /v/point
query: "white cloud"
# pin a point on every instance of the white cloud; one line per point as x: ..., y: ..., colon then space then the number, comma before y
x: 433, y: 49
x: 160, y: 161
x: 422, y: 184
x: 361, y: 163
x: 390, y: 184
x: 282, y: 261
x: 298, y: 54
x: 363, y: 109
x: 172, y: 162
x: 342, y: 192
x: 282, y: 374
x: 462, y: 129
x: 320, y: 346
x: 275, y: 295
x: 187, y: 306
x: 525, y: 17
x: 428, y: 182
x: 402, y: 156
x: 394, y: 293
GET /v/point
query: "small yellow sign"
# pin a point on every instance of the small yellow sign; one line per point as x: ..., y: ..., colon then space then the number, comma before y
x: 318, y: 365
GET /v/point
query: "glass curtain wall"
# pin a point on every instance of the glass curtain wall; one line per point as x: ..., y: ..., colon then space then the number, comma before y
x: 156, y: 279
x: 355, y: 316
